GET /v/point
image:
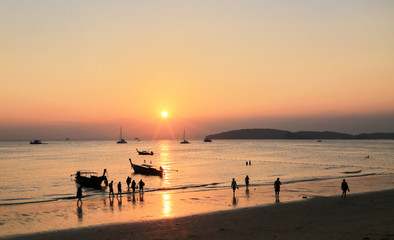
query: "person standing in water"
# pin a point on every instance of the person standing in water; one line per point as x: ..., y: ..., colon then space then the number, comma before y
x: 133, y: 185
x: 141, y: 185
x: 119, y: 188
x: 345, y: 188
x: 247, y: 181
x: 111, y: 188
x: 79, y: 196
x: 277, y: 184
x: 234, y: 185
x: 128, y: 181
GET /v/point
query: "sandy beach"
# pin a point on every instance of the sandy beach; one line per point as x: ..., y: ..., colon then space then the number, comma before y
x: 359, y: 216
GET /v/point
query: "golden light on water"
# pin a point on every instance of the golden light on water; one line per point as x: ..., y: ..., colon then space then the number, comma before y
x: 166, y: 205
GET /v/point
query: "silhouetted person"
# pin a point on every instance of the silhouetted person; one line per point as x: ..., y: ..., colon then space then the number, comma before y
x: 234, y: 185
x: 141, y: 185
x: 133, y: 185
x: 250, y: 162
x: 119, y: 188
x: 247, y: 181
x: 111, y: 188
x: 277, y: 184
x: 246, y: 163
x: 345, y: 188
x: 79, y: 196
x: 128, y: 181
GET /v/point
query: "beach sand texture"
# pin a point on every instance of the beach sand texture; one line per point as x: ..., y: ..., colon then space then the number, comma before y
x: 359, y: 216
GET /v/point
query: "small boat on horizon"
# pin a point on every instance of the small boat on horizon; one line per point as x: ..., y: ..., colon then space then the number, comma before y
x: 207, y: 140
x: 91, y: 179
x: 146, y: 169
x: 36, y: 142
x: 184, y: 138
x: 144, y: 152
x: 120, y: 137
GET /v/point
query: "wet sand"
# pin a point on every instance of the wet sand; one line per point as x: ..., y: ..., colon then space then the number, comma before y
x: 305, y: 211
x: 360, y: 216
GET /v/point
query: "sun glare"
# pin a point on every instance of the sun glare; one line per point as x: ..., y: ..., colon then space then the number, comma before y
x: 164, y: 114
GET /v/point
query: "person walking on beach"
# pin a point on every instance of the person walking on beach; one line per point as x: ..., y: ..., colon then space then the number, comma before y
x: 111, y: 188
x: 79, y: 196
x: 141, y: 186
x: 247, y: 181
x: 133, y: 185
x: 119, y: 188
x: 234, y: 185
x: 277, y: 184
x: 345, y: 188
x: 128, y: 181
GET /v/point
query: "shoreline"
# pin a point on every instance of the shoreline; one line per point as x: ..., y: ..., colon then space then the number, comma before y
x: 360, y: 216
x: 163, y: 207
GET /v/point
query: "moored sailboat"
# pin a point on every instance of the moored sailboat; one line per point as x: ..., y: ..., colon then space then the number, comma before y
x: 184, y: 138
x: 120, y: 137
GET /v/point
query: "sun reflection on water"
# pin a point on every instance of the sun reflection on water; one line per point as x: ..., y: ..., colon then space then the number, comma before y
x: 166, y: 205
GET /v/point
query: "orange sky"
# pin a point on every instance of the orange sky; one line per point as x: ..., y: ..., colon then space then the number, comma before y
x: 126, y: 61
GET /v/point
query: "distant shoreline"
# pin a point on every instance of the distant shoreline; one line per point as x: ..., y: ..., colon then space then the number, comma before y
x: 273, y: 134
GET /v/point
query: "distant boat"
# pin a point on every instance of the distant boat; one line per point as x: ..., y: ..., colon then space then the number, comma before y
x: 144, y: 152
x: 146, y: 169
x: 120, y: 137
x: 207, y: 140
x: 318, y: 140
x: 184, y: 138
x: 90, y: 179
x: 36, y: 142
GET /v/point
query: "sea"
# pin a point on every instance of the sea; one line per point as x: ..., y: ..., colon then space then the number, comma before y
x: 33, y: 174
x: 43, y: 172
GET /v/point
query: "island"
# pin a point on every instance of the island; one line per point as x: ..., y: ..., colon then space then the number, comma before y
x: 258, y: 133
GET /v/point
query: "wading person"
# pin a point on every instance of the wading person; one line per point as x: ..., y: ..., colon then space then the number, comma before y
x: 234, y: 185
x: 119, y: 188
x: 128, y: 181
x: 111, y: 188
x: 133, y: 185
x: 141, y: 186
x: 79, y: 196
x: 247, y: 181
x: 345, y: 188
x: 277, y: 184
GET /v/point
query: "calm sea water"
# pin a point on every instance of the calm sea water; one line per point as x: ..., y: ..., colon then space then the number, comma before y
x: 39, y: 173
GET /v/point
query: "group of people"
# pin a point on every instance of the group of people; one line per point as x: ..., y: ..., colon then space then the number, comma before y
x: 344, y: 186
x: 134, y: 186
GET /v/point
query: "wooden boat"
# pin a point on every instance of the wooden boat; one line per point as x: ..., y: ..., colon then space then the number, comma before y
x: 207, y: 140
x: 121, y: 140
x: 91, y: 179
x: 184, y: 138
x: 36, y: 142
x: 146, y: 169
x: 144, y: 152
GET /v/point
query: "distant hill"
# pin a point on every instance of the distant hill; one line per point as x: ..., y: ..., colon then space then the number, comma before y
x: 282, y: 134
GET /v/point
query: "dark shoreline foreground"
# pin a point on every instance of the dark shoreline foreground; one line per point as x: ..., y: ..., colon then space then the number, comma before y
x: 360, y: 216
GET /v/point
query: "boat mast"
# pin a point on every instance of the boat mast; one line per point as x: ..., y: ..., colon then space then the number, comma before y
x: 120, y: 135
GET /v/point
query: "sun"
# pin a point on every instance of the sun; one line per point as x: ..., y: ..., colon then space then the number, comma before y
x: 164, y: 114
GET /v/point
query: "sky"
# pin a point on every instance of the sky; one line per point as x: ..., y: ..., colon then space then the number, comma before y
x: 82, y: 69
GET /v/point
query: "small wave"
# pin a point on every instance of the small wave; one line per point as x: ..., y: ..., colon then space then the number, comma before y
x: 352, y: 172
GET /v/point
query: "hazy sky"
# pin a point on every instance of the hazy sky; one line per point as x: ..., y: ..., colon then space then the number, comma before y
x: 68, y: 66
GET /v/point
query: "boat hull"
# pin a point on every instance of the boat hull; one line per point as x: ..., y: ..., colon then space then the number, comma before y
x: 93, y: 182
x: 146, y: 170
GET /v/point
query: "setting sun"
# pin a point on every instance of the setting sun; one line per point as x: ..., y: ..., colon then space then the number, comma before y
x: 164, y: 114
